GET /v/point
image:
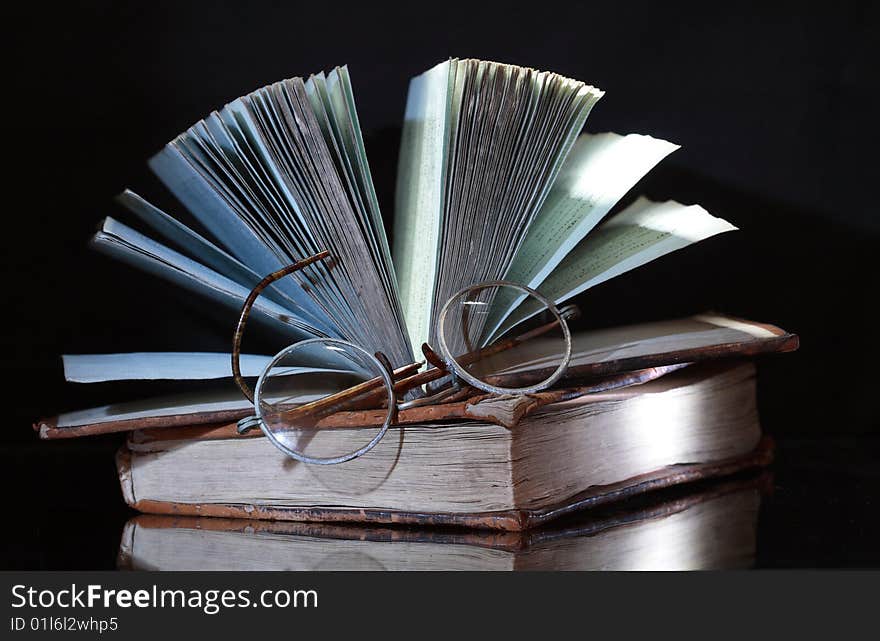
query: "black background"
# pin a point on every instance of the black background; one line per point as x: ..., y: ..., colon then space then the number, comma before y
x: 774, y: 107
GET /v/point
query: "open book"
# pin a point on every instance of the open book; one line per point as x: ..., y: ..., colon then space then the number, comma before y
x: 495, y: 181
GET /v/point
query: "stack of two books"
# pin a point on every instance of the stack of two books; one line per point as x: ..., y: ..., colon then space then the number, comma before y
x: 495, y: 182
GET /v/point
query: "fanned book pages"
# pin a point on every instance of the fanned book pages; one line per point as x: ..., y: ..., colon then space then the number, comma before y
x: 495, y: 181
x: 273, y: 177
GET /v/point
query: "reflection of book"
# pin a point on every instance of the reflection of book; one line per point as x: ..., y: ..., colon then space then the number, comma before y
x: 708, y: 527
x: 696, y: 423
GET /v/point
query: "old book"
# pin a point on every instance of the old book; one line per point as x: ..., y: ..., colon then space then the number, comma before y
x: 708, y: 527
x: 698, y: 422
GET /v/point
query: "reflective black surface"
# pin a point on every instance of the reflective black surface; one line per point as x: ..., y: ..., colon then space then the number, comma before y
x: 818, y: 508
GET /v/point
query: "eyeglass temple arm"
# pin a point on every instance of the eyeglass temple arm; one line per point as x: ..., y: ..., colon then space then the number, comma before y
x: 246, y: 311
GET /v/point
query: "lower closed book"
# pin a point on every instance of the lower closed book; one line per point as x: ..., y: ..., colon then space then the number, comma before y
x: 699, y: 422
x: 708, y: 526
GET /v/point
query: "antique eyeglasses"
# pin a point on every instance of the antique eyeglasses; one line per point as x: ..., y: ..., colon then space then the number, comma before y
x: 327, y: 401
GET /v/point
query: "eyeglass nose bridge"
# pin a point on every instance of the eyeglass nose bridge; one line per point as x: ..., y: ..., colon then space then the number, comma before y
x: 428, y: 399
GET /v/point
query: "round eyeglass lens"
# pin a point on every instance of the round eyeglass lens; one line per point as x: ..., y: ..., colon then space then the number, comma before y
x: 301, y: 392
x: 504, y: 338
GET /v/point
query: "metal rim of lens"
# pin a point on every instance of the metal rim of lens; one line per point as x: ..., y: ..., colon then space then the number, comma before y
x: 483, y: 385
x: 299, y: 456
